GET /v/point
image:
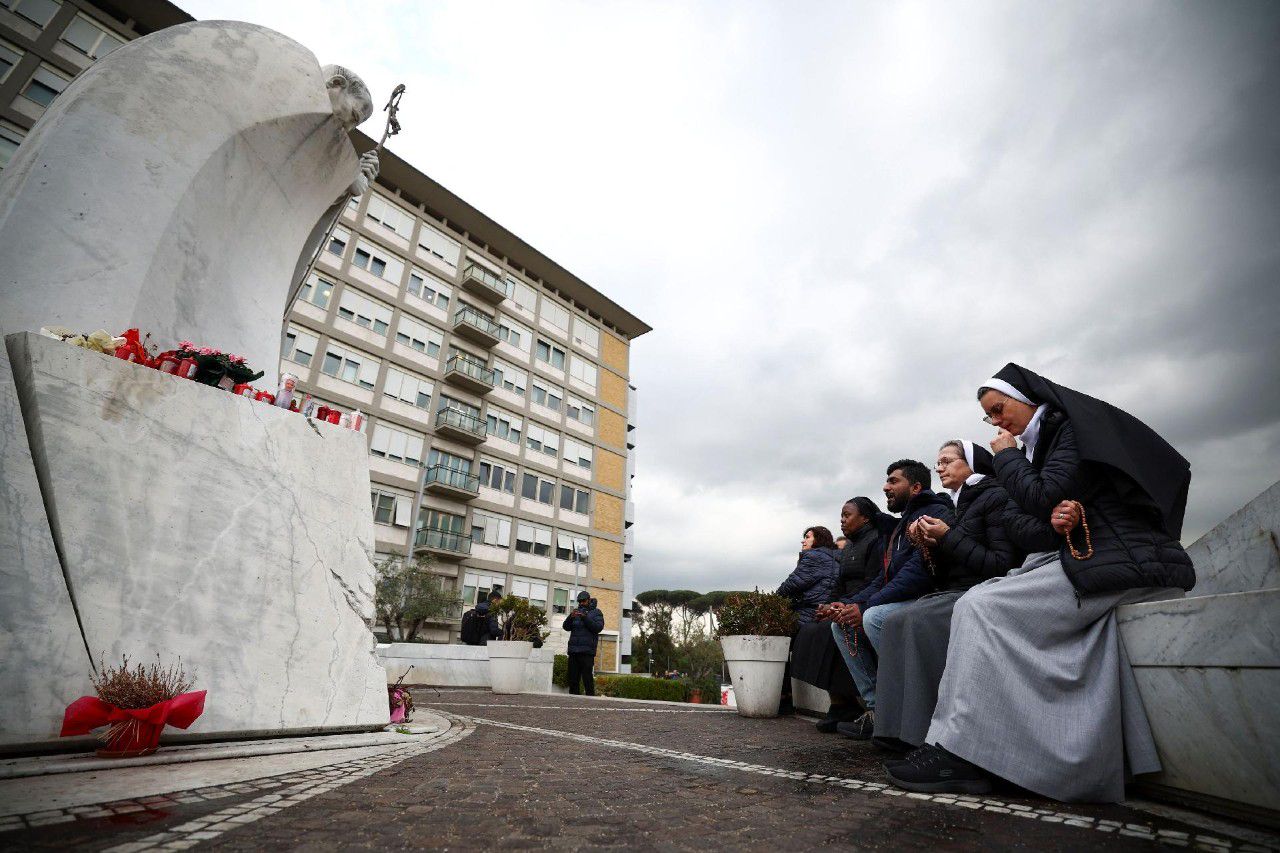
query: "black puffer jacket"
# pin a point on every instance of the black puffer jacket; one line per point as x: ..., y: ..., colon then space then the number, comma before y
x: 1130, y: 550
x: 977, y: 547
x: 859, y: 561
x: 812, y: 583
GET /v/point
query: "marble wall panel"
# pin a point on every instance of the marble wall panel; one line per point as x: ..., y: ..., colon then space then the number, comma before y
x: 441, y: 665
x: 198, y: 524
x: 1242, y: 554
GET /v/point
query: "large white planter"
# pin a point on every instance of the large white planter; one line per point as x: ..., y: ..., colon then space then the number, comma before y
x: 756, y: 665
x: 506, y: 664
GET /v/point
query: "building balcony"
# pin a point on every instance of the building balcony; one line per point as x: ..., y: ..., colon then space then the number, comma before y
x: 444, y: 544
x: 469, y: 373
x: 459, y: 425
x: 479, y: 281
x: 450, y: 483
x: 475, y: 326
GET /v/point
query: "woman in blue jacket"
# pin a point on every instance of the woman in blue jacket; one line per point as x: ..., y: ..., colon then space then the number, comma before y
x: 816, y: 574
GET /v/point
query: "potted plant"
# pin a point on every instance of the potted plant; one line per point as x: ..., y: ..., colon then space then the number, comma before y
x: 135, y: 705
x: 755, y: 631
x: 521, y: 625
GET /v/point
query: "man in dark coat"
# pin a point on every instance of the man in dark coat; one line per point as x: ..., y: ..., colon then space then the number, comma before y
x: 584, y: 625
x: 906, y: 574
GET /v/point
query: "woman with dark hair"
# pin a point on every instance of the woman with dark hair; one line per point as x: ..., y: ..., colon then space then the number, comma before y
x: 914, y: 639
x: 1037, y: 687
x: 814, y: 656
x: 814, y: 579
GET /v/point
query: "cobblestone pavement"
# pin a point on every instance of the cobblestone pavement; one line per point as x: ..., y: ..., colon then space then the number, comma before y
x: 550, y: 772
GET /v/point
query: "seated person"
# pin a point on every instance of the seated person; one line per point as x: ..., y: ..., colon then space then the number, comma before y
x: 813, y: 581
x: 906, y: 574
x: 814, y: 656
x: 1037, y: 688
x: 913, y: 642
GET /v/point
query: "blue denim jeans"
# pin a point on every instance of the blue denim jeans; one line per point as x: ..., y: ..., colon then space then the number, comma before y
x: 862, y: 666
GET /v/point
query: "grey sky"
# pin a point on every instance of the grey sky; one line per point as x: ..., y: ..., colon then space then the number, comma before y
x: 839, y: 218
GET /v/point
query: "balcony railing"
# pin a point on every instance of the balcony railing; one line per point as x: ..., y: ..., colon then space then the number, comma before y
x: 484, y: 284
x: 457, y: 420
x: 442, y: 540
x: 458, y: 480
x: 475, y: 325
x: 473, y: 373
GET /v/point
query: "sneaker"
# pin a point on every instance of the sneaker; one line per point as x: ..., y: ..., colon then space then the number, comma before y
x: 837, y: 715
x: 933, y: 770
x: 890, y: 763
x: 892, y: 744
x: 859, y: 729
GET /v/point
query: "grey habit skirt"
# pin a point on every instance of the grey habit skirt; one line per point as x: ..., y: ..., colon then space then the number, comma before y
x: 1038, y: 689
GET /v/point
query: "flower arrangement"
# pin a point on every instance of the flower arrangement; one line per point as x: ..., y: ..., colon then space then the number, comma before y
x: 135, y: 704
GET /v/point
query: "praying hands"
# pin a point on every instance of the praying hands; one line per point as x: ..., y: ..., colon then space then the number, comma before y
x: 1065, y: 517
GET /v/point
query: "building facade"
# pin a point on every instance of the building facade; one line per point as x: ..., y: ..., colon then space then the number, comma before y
x: 495, y: 383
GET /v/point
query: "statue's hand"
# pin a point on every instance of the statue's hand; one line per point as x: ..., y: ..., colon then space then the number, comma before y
x: 369, y: 168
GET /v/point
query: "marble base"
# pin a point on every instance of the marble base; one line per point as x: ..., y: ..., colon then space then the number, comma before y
x: 200, y: 525
x: 458, y: 665
x: 42, y: 656
x: 1242, y: 554
x: 1208, y: 669
x: 805, y: 697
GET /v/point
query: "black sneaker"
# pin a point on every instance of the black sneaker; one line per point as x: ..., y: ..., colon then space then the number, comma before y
x: 861, y: 728
x: 933, y: 770
x: 835, y: 716
x: 892, y: 744
x: 890, y: 763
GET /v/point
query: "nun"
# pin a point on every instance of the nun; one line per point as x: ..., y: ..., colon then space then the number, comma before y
x: 1037, y: 688
x: 974, y: 549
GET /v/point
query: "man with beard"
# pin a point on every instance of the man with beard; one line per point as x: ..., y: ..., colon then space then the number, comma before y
x: 905, y: 574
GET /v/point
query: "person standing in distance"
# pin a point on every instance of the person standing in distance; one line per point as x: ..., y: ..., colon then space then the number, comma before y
x: 584, y: 626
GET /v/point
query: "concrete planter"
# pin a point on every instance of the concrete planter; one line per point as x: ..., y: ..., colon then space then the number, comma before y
x: 506, y: 664
x: 756, y: 666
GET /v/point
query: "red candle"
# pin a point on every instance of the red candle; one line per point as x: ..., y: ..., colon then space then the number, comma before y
x: 265, y: 396
x: 169, y: 363
x: 334, y: 416
x: 187, y: 368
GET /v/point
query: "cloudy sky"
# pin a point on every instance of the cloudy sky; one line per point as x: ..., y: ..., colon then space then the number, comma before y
x: 840, y: 218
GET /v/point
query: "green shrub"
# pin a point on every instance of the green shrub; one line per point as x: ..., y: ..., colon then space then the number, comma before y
x: 757, y: 614
x: 710, y: 687
x: 560, y: 671
x: 641, y: 687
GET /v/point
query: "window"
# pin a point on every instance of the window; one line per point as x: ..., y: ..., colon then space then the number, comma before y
x: 338, y: 241
x: 497, y: 475
x: 390, y: 216
x: 90, y: 38
x: 555, y: 314
x: 9, y: 57
x: 569, y: 544
x: 363, y: 311
x: 534, y: 591
x: 476, y: 587
x: 575, y: 500
x: 437, y: 520
x: 419, y: 336
x: 586, y: 336
x: 45, y: 85
x: 10, y: 139
x: 583, y: 370
x: 533, y: 539
x: 447, y: 402
x: 577, y: 453
x: 513, y: 333
x: 391, y: 509
x: 317, y: 291
x: 549, y: 353
x: 537, y: 489
x: 545, y: 394
x: 350, y: 366
x: 428, y: 288
x: 439, y: 246
x: 561, y: 600
x: 378, y: 262
x: 504, y: 425
x: 488, y: 528
x: 450, y: 461
x: 408, y: 388
x: 38, y: 12
x: 522, y: 294
x: 543, y: 440
x: 506, y: 376
x: 581, y: 411
x: 299, y: 346
x: 396, y: 445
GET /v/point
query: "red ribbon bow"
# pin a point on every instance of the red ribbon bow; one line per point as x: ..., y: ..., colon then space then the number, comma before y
x: 90, y: 712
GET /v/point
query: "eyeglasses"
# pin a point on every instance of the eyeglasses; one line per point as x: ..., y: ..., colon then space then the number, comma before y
x: 944, y: 462
x: 996, y: 411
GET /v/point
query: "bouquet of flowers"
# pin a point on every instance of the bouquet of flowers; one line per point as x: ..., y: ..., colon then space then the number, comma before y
x: 217, y: 367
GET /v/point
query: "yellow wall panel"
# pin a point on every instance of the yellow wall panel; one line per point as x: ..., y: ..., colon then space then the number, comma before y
x: 611, y: 469
x: 606, y: 561
x: 613, y: 390
x: 613, y: 427
x: 614, y: 351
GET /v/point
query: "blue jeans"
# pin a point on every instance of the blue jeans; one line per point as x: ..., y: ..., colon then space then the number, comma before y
x: 862, y: 666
